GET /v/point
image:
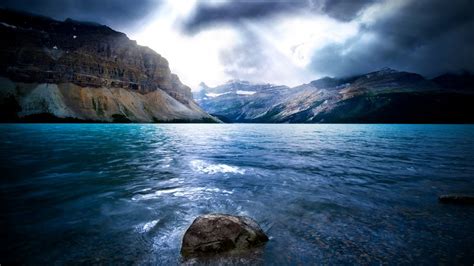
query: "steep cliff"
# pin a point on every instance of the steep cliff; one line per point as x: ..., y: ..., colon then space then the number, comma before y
x: 85, y: 71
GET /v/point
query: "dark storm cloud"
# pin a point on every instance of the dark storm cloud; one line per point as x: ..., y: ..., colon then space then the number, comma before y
x: 233, y: 12
x: 344, y: 10
x: 427, y: 36
x: 115, y: 13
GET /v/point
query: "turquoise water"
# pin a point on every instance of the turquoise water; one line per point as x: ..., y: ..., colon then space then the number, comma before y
x: 325, y: 194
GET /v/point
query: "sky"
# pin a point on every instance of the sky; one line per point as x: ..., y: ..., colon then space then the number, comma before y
x: 285, y: 42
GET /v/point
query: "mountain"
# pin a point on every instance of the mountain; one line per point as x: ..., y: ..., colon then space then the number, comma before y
x: 463, y: 82
x: 239, y: 101
x: 384, y: 96
x: 80, y: 71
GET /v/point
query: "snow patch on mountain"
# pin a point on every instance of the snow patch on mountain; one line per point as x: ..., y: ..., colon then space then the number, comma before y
x: 239, y: 92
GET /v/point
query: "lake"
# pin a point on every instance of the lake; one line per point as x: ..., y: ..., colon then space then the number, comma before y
x: 325, y: 194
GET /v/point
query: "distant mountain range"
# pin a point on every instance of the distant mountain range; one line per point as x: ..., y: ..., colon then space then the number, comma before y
x: 385, y: 96
x: 53, y: 71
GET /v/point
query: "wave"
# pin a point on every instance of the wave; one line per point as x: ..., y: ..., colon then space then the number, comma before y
x: 143, y: 228
x: 208, y: 168
x: 191, y: 193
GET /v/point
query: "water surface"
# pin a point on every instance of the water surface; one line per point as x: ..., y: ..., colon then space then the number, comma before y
x: 326, y: 194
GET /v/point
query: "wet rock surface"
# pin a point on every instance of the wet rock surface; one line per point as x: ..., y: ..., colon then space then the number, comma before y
x: 213, y: 234
x: 457, y: 199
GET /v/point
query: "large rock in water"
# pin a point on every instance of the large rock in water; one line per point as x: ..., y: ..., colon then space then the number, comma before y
x: 457, y: 199
x: 217, y: 233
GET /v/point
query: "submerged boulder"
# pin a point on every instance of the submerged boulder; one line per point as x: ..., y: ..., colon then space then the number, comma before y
x: 217, y: 233
x: 457, y: 199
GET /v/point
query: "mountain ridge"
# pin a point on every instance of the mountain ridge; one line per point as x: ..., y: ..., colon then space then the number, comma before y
x: 383, y: 96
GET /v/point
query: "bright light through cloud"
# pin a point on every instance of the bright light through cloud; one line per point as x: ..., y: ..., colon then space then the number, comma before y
x: 193, y: 57
x: 299, y: 37
x: 197, y: 57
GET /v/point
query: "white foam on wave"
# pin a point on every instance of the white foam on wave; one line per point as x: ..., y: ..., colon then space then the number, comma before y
x: 155, y: 194
x: 207, y: 168
x: 191, y: 193
x: 8, y: 25
x: 143, y: 228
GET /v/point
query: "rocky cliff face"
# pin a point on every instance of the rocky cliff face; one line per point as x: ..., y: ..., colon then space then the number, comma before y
x: 385, y: 96
x: 88, y: 71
